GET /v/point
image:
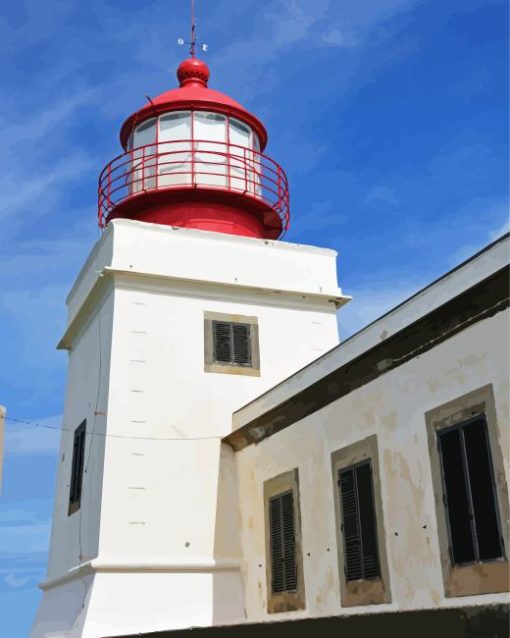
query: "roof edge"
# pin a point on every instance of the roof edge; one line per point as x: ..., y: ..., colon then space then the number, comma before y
x: 484, y: 300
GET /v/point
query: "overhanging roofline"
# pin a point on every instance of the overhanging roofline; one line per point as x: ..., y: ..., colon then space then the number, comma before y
x: 473, y: 290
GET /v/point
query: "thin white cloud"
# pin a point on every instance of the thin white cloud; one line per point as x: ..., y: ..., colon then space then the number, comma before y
x: 287, y: 26
x: 382, y: 194
x: 35, y: 176
x: 371, y: 302
x: 15, y: 581
x: 294, y: 20
x: 500, y: 230
x: 22, y: 539
x: 497, y: 213
x: 55, y: 259
x: 334, y: 38
x: 22, y: 439
x: 40, y: 186
x: 17, y: 515
x: 322, y: 215
x: 35, y: 277
x: 37, y: 339
x: 23, y: 135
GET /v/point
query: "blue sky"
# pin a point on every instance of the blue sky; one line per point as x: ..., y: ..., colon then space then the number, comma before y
x: 389, y: 116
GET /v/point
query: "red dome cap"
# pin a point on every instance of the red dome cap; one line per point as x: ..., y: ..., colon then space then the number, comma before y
x: 193, y: 93
x: 193, y: 70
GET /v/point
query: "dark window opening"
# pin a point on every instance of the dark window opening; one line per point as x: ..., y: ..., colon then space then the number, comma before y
x: 359, y: 526
x: 282, y: 543
x: 232, y: 343
x: 77, y: 468
x: 469, y: 493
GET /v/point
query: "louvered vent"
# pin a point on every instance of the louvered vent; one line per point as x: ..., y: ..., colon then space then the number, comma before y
x: 283, y: 543
x: 359, y: 522
x: 232, y: 343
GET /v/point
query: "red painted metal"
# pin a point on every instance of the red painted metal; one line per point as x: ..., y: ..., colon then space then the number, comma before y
x: 194, y: 183
x: 199, y: 184
x: 193, y: 94
x: 201, y: 210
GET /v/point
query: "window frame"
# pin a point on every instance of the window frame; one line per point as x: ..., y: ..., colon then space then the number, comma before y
x: 152, y: 122
x: 469, y: 579
x: 77, y: 461
x: 291, y: 600
x: 472, y: 516
x: 210, y: 363
x: 363, y: 591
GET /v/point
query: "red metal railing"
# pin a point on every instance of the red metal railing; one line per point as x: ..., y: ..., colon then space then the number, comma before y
x: 194, y: 163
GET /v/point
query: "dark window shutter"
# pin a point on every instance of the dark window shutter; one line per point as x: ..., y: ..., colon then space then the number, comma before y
x: 277, y: 549
x: 222, y: 341
x: 232, y: 343
x: 483, y: 493
x: 469, y: 493
x: 282, y: 543
x: 77, y: 466
x: 456, y: 498
x: 289, y: 541
x: 359, y: 522
x: 350, y: 524
x: 367, y: 521
x: 241, y: 341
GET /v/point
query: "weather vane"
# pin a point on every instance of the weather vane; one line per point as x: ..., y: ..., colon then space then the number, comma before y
x: 194, y: 41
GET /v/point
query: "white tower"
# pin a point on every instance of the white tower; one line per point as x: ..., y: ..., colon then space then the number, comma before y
x: 187, y: 308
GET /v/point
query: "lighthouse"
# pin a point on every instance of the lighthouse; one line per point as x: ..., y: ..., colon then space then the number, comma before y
x: 188, y: 307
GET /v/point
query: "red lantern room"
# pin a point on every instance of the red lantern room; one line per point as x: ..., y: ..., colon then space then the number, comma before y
x: 193, y: 157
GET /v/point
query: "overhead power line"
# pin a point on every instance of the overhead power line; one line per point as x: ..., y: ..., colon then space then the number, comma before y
x: 116, y: 436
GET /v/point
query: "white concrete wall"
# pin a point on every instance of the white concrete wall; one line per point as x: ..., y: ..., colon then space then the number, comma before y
x: 215, y: 258
x: 162, y: 554
x: 74, y: 538
x: 393, y: 407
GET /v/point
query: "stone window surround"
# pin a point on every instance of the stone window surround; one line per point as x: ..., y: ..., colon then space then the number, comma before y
x: 285, y: 601
x: 481, y: 578
x: 373, y: 591
x: 210, y: 365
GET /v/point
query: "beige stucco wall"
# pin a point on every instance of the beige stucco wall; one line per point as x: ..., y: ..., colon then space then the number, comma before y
x: 393, y: 407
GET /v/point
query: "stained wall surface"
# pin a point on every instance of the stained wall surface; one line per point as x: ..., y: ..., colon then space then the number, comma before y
x: 392, y: 408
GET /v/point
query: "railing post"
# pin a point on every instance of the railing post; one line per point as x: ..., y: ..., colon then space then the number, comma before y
x: 143, y: 168
x: 258, y: 175
x: 245, y: 171
x: 156, y: 163
x: 279, y: 187
x: 193, y: 162
x: 109, y: 187
x: 229, y: 182
x: 99, y: 205
x: 131, y: 176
